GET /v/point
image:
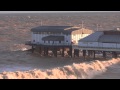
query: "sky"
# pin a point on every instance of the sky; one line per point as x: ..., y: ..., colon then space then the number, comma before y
x: 50, y: 11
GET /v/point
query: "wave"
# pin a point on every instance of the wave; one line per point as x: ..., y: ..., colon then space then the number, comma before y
x: 84, y: 70
x: 19, y: 47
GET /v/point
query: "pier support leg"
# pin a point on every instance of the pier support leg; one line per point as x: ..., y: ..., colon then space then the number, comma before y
x: 40, y: 50
x: 104, y: 54
x: 89, y: 53
x: 47, y: 51
x: 114, y: 54
x: 44, y: 51
x: 94, y: 54
x: 71, y: 52
x: 33, y: 49
x: 55, y: 49
x: 84, y: 54
x: 76, y: 52
x: 63, y: 51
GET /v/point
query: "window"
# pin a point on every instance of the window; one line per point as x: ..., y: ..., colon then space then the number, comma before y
x: 59, y: 41
x: 84, y: 42
x: 90, y: 42
x: 66, y: 34
x: 53, y: 42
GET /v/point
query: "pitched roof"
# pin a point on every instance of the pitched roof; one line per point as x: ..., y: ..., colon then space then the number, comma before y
x: 92, y: 37
x: 54, y: 29
x: 110, y: 38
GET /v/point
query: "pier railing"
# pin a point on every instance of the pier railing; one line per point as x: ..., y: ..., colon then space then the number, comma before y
x: 56, y: 44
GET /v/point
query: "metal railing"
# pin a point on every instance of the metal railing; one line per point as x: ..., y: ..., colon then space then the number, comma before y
x: 37, y: 43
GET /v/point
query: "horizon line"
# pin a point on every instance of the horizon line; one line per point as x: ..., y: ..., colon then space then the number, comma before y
x: 53, y: 11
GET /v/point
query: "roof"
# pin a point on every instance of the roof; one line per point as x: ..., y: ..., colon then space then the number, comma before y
x: 53, y: 38
x: 110, y: 38
x: 65, y: 29
x: 92, y: 37
x: 83, y: 31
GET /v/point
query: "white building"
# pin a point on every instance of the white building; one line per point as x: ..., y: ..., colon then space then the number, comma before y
x: 104, y: 40
x: 58, y: 35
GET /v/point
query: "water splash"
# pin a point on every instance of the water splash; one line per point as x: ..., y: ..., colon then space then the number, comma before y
x: 19, y: 47
x: 84, y: 70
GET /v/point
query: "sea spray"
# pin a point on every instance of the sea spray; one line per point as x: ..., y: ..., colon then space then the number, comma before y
x: 19, y: 47
x: 85, y: 70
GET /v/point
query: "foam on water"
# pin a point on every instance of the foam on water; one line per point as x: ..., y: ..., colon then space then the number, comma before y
x: 84, y: 70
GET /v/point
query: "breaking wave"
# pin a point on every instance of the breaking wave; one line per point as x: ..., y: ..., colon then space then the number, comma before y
x: 84, y: 70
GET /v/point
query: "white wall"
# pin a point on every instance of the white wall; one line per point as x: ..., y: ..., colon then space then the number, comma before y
x: 109, y: 45
x: 118, y: 45
x: 93, y: 44
x: 69, y: 38
x: 100, y: 44
x: 83, y: 44
x: 38, y: 38
x: 77, y: 37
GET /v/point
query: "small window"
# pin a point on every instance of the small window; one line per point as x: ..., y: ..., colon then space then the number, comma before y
x: 66, y: 34
x: 59, y: 41
x: 85, y: 42
x: 53, y: 42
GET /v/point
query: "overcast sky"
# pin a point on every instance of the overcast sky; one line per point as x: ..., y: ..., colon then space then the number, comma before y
x: 50, y: 11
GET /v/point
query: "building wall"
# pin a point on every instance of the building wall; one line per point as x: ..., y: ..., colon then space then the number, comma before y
x: 109, y: 45
x: 88, y: 44
x: 83, y: 44
x: 37, y: 39
x: 76, y: 37
x: 118, y: 45
x: 93, y: 44
x: 99, y: 44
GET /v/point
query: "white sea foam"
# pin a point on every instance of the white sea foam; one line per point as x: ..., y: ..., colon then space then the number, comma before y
x: 84, y: 70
